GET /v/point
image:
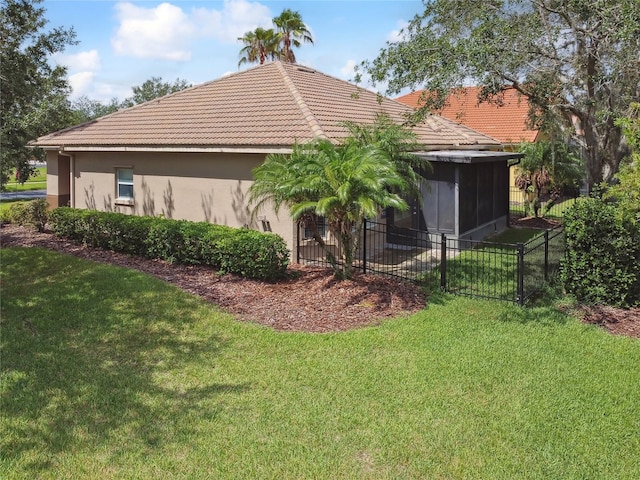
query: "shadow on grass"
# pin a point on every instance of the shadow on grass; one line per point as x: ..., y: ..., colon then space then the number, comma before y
x: 549, y: 315
x: 91, y: 353
x: 542, y: 309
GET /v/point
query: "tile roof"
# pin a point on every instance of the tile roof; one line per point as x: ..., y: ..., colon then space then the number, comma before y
x: 506, y: 122
x: 269, y: 106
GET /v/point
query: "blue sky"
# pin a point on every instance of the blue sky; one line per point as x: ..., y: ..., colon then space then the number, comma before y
x: 124, y: 43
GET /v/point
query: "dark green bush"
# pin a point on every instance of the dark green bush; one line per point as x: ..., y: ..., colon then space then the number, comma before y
x: 252, y: 254
x: 242, y: 251
x: 34, y: 213
x: 602, y: 264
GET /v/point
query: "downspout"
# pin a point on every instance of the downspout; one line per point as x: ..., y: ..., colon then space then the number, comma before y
x: 72, y: 180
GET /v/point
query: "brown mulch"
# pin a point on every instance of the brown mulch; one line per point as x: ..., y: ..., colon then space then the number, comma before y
x: 617, y: 321
x: 533, y: 222
x: 308, y: 299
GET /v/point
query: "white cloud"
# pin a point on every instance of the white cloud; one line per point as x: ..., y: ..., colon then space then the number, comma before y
x: 82, y: 61
x: 167, y: 32
x: 88, y: 84
x: 398, y: 35
x: 234, y: 19
x: 347, y: 71
x: 104, y: 92
x: 82, y: 68
x: 80, y: 83
x: 162, y: 32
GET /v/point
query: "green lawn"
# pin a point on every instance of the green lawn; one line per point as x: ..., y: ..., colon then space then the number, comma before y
x: 555, y: 211
x: 38, y: 182
x: 110, y: 373
x: 490, y: 270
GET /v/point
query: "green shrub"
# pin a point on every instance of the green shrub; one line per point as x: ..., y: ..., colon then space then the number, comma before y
x: 242, y: 251
x: 252, y: 254
x: 602, y: 263
x: 34, y: 213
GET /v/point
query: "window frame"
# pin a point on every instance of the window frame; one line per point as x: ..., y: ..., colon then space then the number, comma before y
x: 124, y: 183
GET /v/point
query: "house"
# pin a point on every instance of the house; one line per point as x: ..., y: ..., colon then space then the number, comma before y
x: 189, y: 155
x: 506, y: 119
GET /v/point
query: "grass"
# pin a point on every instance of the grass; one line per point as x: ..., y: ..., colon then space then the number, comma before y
x: 555, y: 211
x: 110, y: 373
x: 38, y: 182
x: 490, y: 270
x: 6, y: 204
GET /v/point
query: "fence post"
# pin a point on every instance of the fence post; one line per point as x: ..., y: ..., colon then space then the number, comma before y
x: 443, y: 262
x: 364, y: 247
x: 546, y: 255
x: 520, y: 298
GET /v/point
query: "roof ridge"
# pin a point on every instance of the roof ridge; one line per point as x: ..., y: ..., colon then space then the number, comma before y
x: 308, y: 115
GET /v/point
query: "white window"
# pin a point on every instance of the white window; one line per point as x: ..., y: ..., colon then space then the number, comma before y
x: 125, y: 183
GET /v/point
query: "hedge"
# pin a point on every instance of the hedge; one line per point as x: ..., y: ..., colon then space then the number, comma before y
x: 602, y: 263
x: 32, y: 212
x: 241, y: 251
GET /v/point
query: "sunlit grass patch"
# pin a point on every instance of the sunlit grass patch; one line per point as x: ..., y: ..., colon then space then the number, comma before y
x: 110, y: 373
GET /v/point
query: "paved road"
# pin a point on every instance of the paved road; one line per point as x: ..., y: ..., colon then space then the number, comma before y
x: 26, y: 195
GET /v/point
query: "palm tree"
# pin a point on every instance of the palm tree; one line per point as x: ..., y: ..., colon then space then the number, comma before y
x: 345, y: 184
x: 291, y: 31
x: 547, y: 167
x: 397, y: 142
x: 259, y: 45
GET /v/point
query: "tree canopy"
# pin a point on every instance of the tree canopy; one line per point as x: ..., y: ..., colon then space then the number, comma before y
x: 259, y: 45
x: 154, y: 88
x: 398, y: 143
x: 291, y: 32
x: 577, y: 62
x: 342, y: 183
x: 553, y: 167
x: 264, y: 44
x: 33, y: 97
x: 85, y: 109
x: 626, y: 190
x: 370, y: 171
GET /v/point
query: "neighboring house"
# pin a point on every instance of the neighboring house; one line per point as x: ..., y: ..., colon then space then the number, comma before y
x: 190, y: 155
x: 506, y: 120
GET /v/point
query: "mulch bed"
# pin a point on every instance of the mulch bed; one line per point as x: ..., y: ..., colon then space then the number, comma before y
x: 309, y: 299
x: 534, y: 222
x: 615, y: 320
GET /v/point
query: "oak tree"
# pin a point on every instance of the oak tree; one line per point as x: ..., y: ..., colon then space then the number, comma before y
x: 33, y: 94
x: 577, y: 62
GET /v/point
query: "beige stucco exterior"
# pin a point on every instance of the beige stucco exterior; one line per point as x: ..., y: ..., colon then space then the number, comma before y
x: 210, y: 187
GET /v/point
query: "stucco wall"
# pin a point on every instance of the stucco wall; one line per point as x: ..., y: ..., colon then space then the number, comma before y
x: 190, y: 186
x: 58, y: 180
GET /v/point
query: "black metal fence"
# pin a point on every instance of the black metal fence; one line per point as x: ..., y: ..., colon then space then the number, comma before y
x: 481, y: 269
x: 513, y: 272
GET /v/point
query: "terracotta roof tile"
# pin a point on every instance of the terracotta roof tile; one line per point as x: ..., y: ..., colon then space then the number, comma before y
x: 271, y: 105
x: 506, y: 122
